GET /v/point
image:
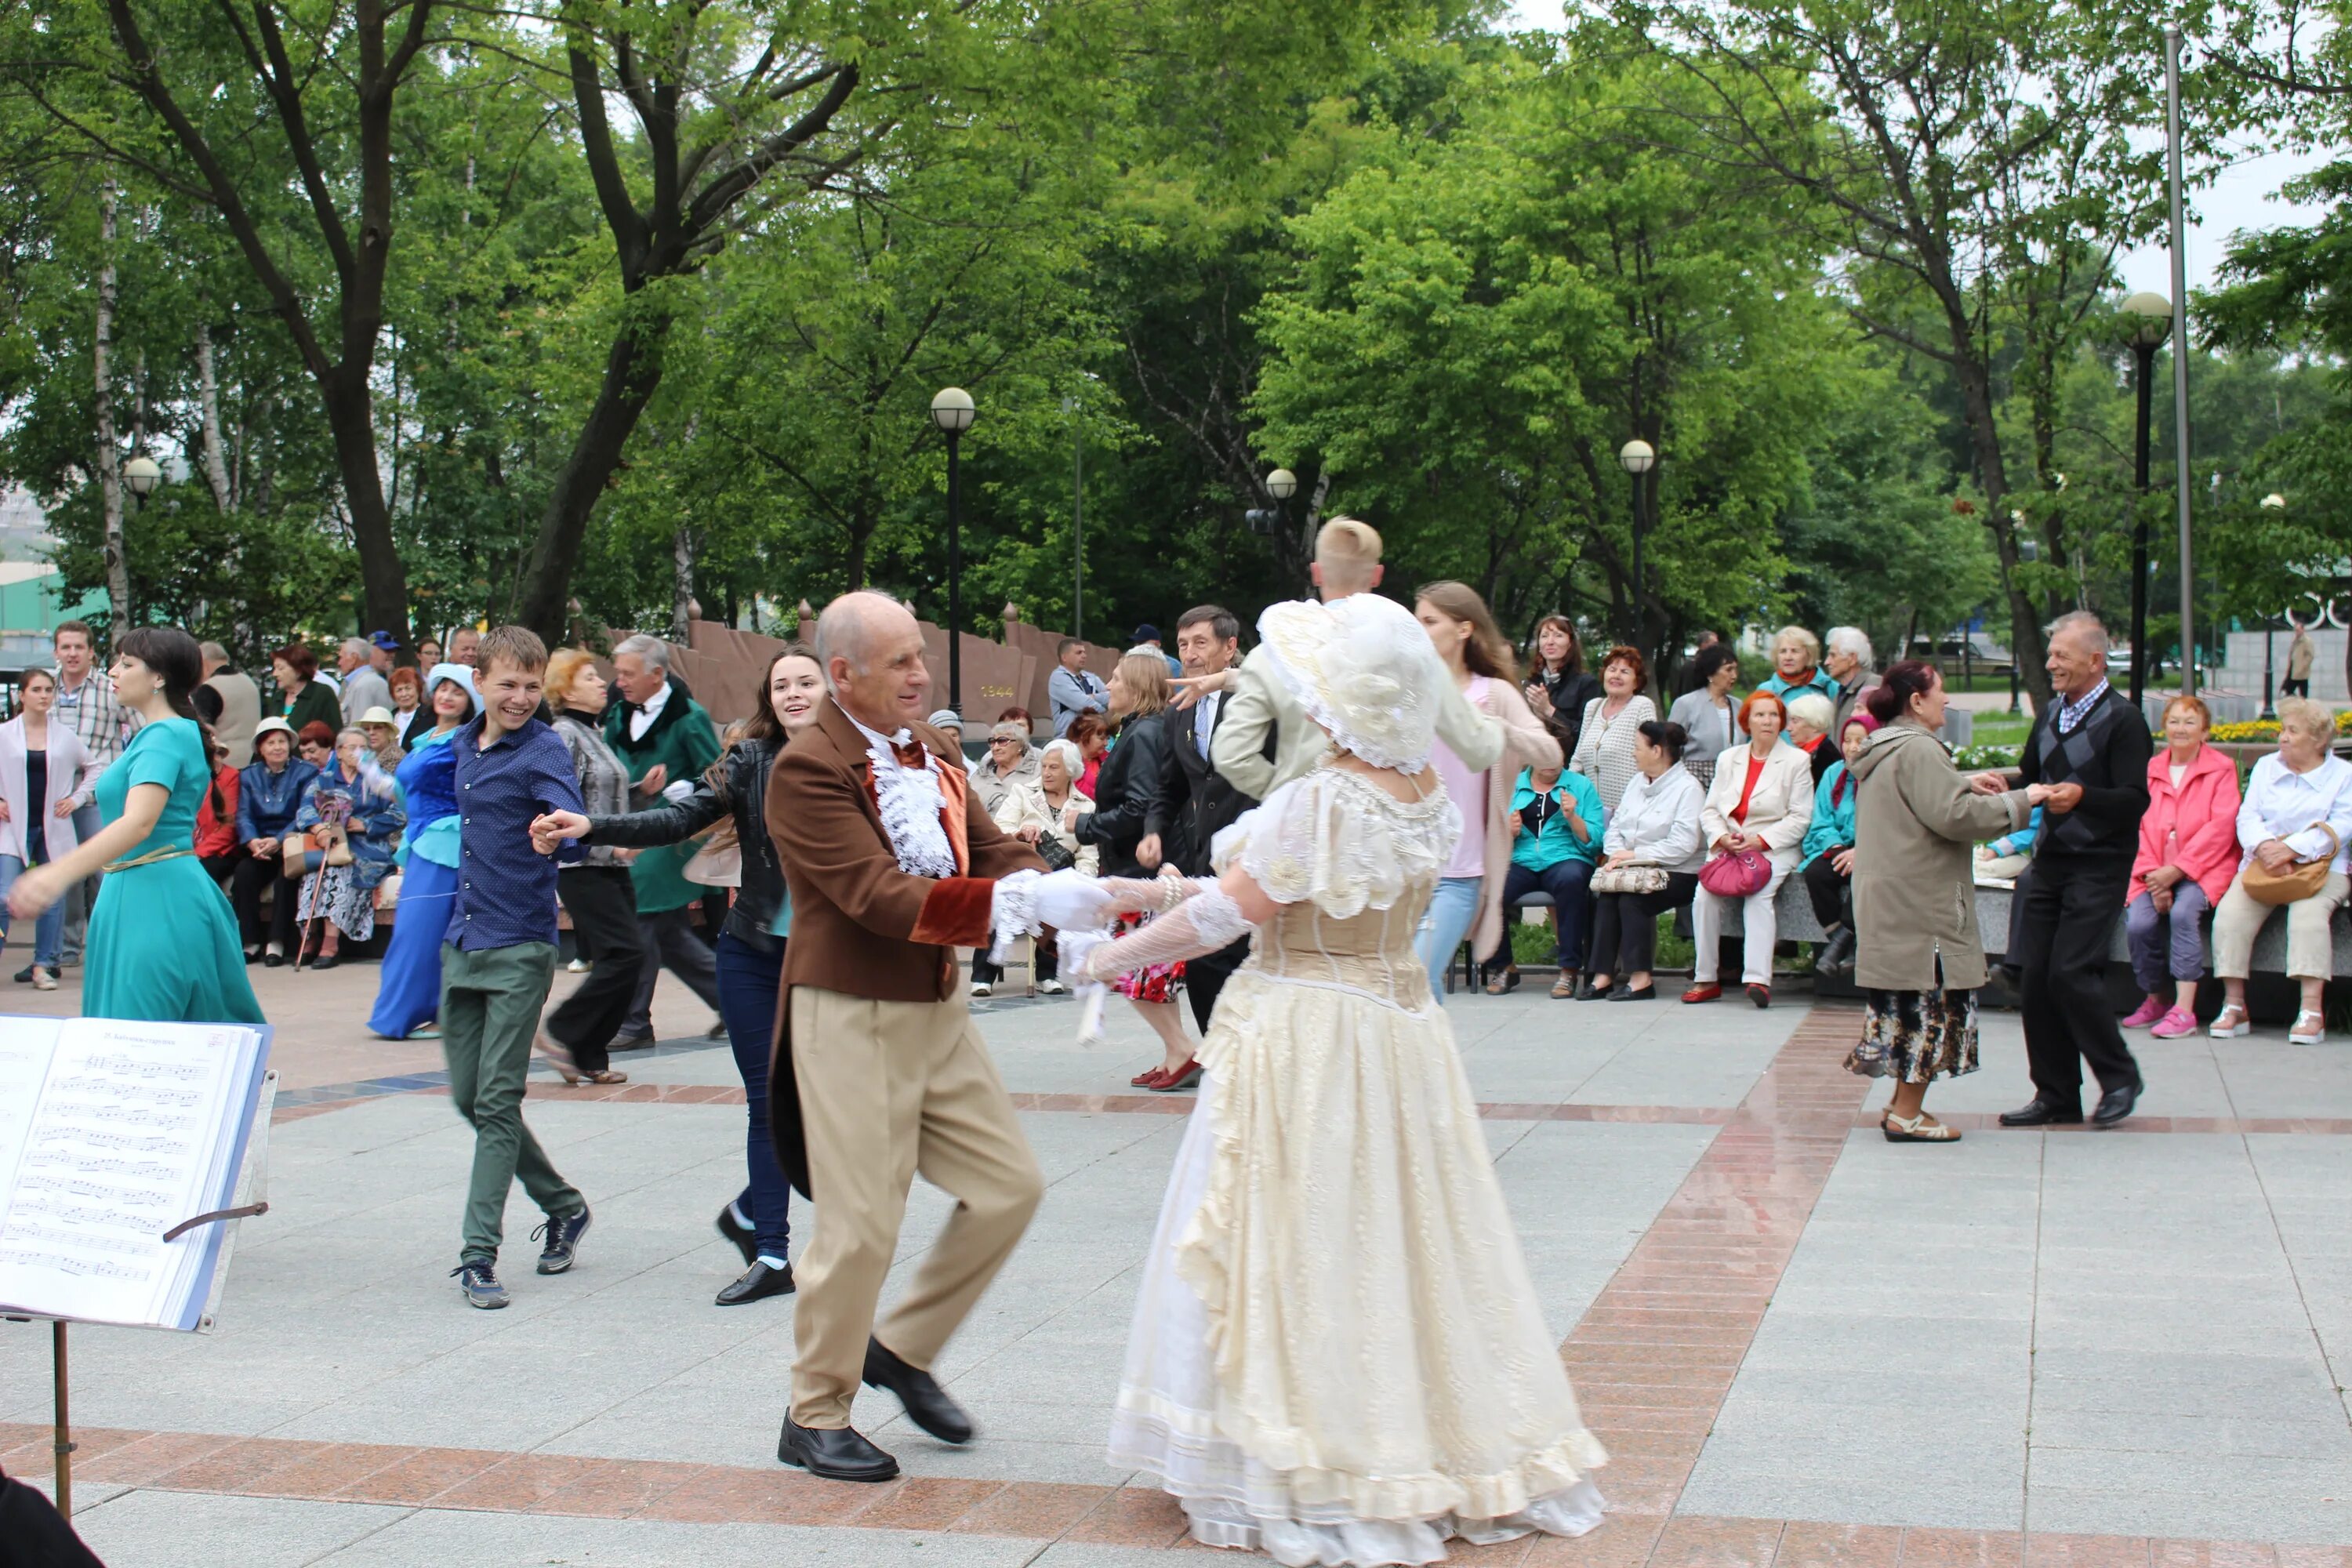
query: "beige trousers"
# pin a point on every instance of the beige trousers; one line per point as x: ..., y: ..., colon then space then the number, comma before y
x: 888, y: 1089
x: 2310, y: 945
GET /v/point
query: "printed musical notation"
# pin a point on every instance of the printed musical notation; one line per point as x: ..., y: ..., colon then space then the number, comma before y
x: 136, y: 1090
x: 120, y: 1065
x: 85, y: 1187
x: 53, y: 1158
x: 80, y: 1267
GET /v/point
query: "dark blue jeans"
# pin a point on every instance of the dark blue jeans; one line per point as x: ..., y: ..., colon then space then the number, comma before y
x: 1566, y: 882
x: 749, y: 981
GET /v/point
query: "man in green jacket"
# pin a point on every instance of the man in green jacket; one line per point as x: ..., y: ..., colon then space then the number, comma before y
x: 665, y: 740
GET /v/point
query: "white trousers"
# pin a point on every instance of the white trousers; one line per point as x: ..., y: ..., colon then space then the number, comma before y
x: 1759, y: 927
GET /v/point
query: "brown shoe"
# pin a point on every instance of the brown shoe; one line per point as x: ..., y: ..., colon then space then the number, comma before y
x: 1565, y: 986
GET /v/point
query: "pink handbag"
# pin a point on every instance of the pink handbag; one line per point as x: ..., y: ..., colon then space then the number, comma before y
x: 1736, y: 874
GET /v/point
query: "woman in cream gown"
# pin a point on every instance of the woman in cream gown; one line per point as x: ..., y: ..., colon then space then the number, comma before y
x: 1338, y: 1356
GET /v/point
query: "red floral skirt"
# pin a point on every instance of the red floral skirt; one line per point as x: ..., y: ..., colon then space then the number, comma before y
x: 1153, y: 981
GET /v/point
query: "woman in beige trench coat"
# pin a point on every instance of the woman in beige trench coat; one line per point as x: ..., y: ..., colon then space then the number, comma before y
x: 1919, y: 960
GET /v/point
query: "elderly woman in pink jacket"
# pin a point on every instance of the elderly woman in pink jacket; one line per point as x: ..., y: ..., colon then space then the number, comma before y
x: 2188, y: 853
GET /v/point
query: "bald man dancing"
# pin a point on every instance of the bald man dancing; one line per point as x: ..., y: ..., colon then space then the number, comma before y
x: 878, y: 1070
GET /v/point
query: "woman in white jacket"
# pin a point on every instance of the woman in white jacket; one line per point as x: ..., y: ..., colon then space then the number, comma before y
x: 1761, y: 800
x: 1652, y: 846
x: 41, y: 765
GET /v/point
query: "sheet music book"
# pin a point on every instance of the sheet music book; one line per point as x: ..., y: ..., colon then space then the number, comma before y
x: 112, y: 1131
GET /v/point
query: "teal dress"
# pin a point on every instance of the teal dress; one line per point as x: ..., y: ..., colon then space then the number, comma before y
x: 186, y: 968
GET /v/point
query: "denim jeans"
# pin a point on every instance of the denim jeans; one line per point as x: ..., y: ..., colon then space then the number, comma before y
x: 749, y: 981
x: 48, y: 932
x: 78, y: 898
x: 1566, y: 883
x: 1452, y: 910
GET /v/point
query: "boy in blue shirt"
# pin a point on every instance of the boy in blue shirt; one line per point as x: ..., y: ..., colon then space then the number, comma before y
x: 499, y: 954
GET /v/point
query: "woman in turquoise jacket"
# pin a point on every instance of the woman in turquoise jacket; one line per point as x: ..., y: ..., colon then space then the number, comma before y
x: 1557, y: 822
x: 1827, y: 865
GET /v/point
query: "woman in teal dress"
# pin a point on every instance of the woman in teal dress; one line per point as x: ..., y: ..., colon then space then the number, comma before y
x: 163, y: 944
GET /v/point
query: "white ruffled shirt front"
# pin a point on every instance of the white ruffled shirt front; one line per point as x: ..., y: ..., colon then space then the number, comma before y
x: 912, y: 802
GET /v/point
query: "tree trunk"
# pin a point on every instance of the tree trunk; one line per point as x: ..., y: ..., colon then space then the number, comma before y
x: 630, y: 377
x: 208, y: 391
x: 110, y: 458
x: 2026, y: 646
x: 383, y: 580
x: 681, y: 594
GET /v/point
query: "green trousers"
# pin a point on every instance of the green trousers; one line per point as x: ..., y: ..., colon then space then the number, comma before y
x: 489, y: 1011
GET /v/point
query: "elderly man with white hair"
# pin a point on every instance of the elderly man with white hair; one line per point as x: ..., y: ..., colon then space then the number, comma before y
x: 665, y: 740
x: 2091, y: 745
x: 364, y: 685
x: 1848, y: 663
x: 879, y: 1071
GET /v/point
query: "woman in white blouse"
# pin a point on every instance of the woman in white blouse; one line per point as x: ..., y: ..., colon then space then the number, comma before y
x: 41, y: 766
x: 1049, y: 807
x: 1653, y: 829
x: 1604, y: 742
x: 1761, y: 800
x: 2290, y: 793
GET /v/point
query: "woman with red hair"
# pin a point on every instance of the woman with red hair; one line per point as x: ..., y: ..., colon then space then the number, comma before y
x: 1756, y: 812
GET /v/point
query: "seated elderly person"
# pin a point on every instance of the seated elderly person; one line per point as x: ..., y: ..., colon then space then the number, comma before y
x: 1797, y: 667
x: 1811, y: 717
x: 1847, y: 660
x: 1557, y: 828
x: 1045, y: 812
x: 2294, y: 828
x: 1011, y: 762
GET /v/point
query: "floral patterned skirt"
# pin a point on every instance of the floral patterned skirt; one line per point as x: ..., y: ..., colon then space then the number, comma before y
x: 1153, y: 981
x: 1916, y: 1036
x: 335, y: 894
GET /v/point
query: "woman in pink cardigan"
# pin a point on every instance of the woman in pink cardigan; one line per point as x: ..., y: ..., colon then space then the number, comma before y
x: 2188, y: 853
x: 1469, y: 896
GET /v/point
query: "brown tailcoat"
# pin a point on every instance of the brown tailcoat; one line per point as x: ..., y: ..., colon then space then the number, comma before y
x: 861, y: 926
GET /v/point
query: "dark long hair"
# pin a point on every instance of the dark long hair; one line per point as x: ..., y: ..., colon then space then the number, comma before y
x: 1891, y: 698
x: 763, y: 724
x: 179, y: 663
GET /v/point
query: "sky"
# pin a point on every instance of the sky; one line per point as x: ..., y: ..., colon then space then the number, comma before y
x: 2244, y: 197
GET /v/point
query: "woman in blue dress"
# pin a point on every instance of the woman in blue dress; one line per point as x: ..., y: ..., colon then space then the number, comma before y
x: 408, y: 994
x: 163, y: 944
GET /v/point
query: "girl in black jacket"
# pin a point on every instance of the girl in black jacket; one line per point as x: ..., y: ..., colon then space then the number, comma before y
x: 1126, y: 825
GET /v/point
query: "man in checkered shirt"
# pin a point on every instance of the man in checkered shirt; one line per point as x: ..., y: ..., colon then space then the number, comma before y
x: 85, y: 703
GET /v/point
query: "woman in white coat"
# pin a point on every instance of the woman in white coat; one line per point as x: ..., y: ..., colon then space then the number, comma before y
x: 1762, y: 801
x: 41, y: 765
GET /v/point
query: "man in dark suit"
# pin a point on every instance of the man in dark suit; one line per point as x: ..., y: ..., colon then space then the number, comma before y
x: 1194, y: 801
x: 2092, y: 747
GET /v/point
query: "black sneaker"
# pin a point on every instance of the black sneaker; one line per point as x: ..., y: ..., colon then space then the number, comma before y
x: 563, y: 1240
x: 25, y: 975
x: 478, y: 1279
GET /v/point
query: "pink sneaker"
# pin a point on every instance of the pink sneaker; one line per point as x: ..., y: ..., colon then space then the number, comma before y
x: 2177, y: 1022
x: 2147, y: 1013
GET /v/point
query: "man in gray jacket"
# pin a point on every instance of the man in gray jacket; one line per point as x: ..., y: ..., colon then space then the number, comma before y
x: 1073, y: 689
x: 1346, y: 561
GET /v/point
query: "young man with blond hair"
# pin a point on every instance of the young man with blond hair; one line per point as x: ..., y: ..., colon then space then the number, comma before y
x: 499, y: 954
x: 1346, y: 561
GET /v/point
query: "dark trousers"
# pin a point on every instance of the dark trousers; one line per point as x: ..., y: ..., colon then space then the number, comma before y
x: 670, y: 939
x: 1049, y: 958
x: 749, y: 981
x: 1827, y: 888
x: 1625, y: 926
x: 604, y: 910
x: 1205, y: 976
x: 1570, y: 904
x: 247, y: 884
x: 222, y: 866
x: 2071, y: 903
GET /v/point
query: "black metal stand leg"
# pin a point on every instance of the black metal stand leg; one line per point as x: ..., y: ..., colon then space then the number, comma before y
x: 64, y: 1446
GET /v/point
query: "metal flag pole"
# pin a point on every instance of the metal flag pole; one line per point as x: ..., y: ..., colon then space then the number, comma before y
x: 2179, y: 357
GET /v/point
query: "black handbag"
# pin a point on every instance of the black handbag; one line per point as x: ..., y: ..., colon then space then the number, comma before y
x: 1057, y: 856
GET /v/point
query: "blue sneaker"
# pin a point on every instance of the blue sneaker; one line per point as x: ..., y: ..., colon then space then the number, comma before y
x: 478, y: 1279
x: 563, y: 1236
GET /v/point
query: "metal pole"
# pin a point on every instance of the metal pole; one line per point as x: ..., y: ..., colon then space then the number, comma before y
x: 2180, y: 356
x: 64, y: 1436
x: 2269, y: 707
x: 1641, y: 619
x: 2145, y: 354
x: 1077, y: 531
x: 955, y: 581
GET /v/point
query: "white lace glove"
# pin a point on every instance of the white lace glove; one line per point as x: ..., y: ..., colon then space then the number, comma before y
x: 1206, y: 922
x: 1073, y: 946
x: 1069, y: 900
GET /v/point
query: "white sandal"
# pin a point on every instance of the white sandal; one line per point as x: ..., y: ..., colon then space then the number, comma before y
x: 1920, y: 1129
x: 2315, y: 1036
x: 2229, y: 1023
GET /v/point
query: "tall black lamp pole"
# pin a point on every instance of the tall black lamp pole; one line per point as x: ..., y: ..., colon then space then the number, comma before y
x: 952, y: 411
x: 2148, y: 319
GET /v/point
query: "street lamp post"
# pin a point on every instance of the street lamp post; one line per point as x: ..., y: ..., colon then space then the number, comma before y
x: 2271, y: 502
x: 142, y: 476
x: 952, y: 411
x: 1077, y: 522
x: 2147, y: 321
x: 1639, y: 457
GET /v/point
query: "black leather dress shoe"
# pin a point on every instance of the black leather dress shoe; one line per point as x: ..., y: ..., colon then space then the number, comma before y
x: 927, y: 1404
x: 836, y: 1453
x: 759, y: 1283
x: 736, y: 1231
x: 2040, y: 1112
x: 2114, y: 1105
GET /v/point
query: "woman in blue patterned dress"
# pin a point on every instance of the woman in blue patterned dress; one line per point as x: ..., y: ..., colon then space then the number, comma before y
x: 163, y: 944
x: 408, y: 994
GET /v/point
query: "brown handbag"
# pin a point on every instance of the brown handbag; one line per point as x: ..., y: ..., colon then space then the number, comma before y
x: 2298, y: 881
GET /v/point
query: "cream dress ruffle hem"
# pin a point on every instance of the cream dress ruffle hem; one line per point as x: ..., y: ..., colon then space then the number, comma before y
x: 1338, y: 1357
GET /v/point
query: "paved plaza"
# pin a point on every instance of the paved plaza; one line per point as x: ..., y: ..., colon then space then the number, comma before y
x: 1802, y: 1345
